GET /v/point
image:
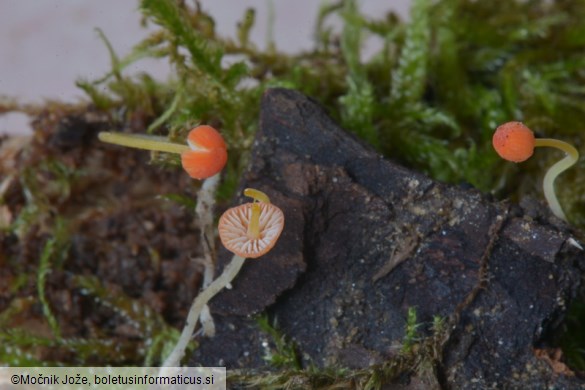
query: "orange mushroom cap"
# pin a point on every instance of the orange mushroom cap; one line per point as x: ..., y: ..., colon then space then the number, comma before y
x: 208, y: 154
x: 233, y: 229
x: 513, y: 141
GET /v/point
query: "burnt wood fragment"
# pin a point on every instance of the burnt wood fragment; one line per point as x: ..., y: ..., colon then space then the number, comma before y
x: 366, y: 239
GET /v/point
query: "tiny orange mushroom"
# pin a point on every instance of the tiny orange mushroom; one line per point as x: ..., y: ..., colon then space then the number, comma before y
x: 208, y: 154
x: 204, y: 155
x: 248, y: 231
x: 251, y: 229
x: 513, y: 141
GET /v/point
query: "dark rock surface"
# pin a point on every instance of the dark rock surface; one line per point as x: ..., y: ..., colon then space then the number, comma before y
x: 365, y: 240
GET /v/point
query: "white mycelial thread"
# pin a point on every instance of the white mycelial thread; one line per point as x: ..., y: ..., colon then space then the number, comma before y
x: 196, y: 147
x: 234, y: 229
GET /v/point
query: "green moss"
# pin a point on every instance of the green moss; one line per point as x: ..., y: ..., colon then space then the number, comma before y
x: 157, y: 337
x: 357, y: 103
x: 417, y: 358
x: 430, y: 97
x: 411, y: 333
x: 285, y: 353
x: 53, y: 252
x: 24, y: 346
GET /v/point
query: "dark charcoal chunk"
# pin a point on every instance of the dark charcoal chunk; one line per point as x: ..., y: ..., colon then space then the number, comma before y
x: 366, y: 239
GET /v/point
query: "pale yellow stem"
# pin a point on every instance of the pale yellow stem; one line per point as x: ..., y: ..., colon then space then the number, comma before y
x: 254, y: 225
x: 257, y: 195
x: 227, y: 276
x: 559, y: 167
x: 253, y: 231
x: 142, y: 141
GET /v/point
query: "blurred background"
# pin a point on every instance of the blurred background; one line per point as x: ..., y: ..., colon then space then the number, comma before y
x: 45, y: 46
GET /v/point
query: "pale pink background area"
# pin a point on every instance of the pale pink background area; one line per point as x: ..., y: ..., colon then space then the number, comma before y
x: 45, y: 45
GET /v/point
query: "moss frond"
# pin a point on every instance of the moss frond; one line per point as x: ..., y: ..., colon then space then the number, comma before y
x: 410, y: 76
x: 358, y: 104
x: 158, y: 336
x: 285, y: 354
x: 50, y: 250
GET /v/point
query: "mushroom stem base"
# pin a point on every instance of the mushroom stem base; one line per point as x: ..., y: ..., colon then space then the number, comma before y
x: 228, y: 274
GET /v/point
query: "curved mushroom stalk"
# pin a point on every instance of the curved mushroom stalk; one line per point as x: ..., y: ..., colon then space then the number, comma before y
x: 548, y: 183
x: 229, y: 273
x: 204, y: 211
x: 249, y: 230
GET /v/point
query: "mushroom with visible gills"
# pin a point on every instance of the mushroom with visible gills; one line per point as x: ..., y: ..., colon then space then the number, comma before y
x: 515, y: 142
x: 249, y: 230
